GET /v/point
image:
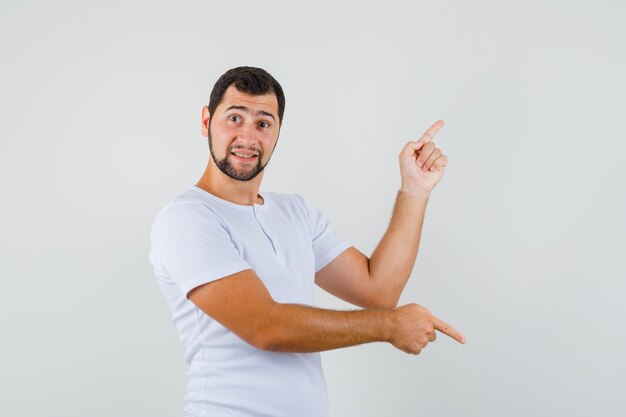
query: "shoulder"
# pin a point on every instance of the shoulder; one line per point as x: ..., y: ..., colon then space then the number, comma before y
x: 185, y: 210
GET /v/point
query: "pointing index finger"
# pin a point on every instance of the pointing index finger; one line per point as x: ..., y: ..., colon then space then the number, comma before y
x: 432, y: 131
x: 448, y: 330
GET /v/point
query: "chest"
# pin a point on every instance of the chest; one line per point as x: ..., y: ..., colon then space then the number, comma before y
x: 277, y: 245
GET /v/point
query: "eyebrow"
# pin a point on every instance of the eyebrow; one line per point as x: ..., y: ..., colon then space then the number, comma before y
x: 247, y: 110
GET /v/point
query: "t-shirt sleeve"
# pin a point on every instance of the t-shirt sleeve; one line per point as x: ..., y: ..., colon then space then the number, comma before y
x: 191, y: 246
x: 327, y: 245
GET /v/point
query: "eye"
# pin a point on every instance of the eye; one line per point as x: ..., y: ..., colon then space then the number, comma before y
x: 267, y: 124
x: 232, y: 117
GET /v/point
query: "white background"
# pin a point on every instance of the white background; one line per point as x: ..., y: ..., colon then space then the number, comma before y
x: 522, y: 248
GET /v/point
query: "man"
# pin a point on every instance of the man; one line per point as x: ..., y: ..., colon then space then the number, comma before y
x: 237, y: 267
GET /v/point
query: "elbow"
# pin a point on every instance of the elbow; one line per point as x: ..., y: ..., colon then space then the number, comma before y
x: 380, y: 304
x: 262, y: 345
x: 393, y: 303
x: 390, y: 305
x: 382, y: 300
x: 263, y: 341
x: 257, y: 341
x: 384, y: 303
x: 266, y: 333
x: 269, y: 342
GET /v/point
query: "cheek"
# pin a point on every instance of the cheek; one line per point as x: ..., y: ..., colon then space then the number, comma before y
x: 269, y: 139
x: 221, y: 136
x: 268, y: 146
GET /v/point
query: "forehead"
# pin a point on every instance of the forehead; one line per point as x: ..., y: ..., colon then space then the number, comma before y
x: 232, y: 96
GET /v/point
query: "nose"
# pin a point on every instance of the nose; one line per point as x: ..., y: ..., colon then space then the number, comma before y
x: 247, y: 132
x: 246, y: 136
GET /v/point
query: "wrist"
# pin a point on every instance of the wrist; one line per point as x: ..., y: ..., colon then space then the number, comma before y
x: 389, y: 324
x: 413, y: 188
x: 415, y: 193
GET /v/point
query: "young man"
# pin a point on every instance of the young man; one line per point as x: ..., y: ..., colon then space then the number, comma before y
x: 237, y: 267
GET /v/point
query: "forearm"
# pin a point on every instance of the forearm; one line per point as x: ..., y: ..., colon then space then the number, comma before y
x: 301, y: 328
x: 393, y: 259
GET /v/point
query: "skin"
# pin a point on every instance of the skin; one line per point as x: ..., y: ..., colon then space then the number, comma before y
x: 242, y: 303
x: 243, y: 130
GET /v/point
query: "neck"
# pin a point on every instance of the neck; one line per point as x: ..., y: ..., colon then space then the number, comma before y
x: 245, y: 193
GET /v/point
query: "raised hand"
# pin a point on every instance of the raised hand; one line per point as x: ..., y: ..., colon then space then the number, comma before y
x: 422, y: 164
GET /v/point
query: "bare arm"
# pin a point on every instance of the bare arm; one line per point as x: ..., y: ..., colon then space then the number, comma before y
x: 393, y: 259
x: 300, y: 328
x: 241, y: 303
x: 422, y: 165
x: 379, y: 281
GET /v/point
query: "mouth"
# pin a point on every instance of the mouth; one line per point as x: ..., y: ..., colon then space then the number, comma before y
x: 244, y: 156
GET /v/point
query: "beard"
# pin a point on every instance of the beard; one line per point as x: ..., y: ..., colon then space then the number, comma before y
x: 225, y: 165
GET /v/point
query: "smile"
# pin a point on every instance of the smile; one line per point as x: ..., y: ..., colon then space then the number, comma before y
x: 243, y: 157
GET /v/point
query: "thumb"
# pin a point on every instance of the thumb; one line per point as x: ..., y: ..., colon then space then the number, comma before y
x: 410, y: 148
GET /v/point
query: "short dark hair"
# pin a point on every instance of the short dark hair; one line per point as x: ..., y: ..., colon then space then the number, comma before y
x: 249, y: 80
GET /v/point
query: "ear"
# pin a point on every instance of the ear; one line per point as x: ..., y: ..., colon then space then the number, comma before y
x: 205, y: 121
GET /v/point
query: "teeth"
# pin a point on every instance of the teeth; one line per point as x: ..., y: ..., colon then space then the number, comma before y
x: 243, y: 156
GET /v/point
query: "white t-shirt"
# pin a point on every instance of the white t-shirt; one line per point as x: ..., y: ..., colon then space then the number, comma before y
x: 198, y: 238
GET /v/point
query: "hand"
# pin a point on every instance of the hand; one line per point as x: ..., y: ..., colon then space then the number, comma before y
x: 422, y: 164
x: 414, y: 327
